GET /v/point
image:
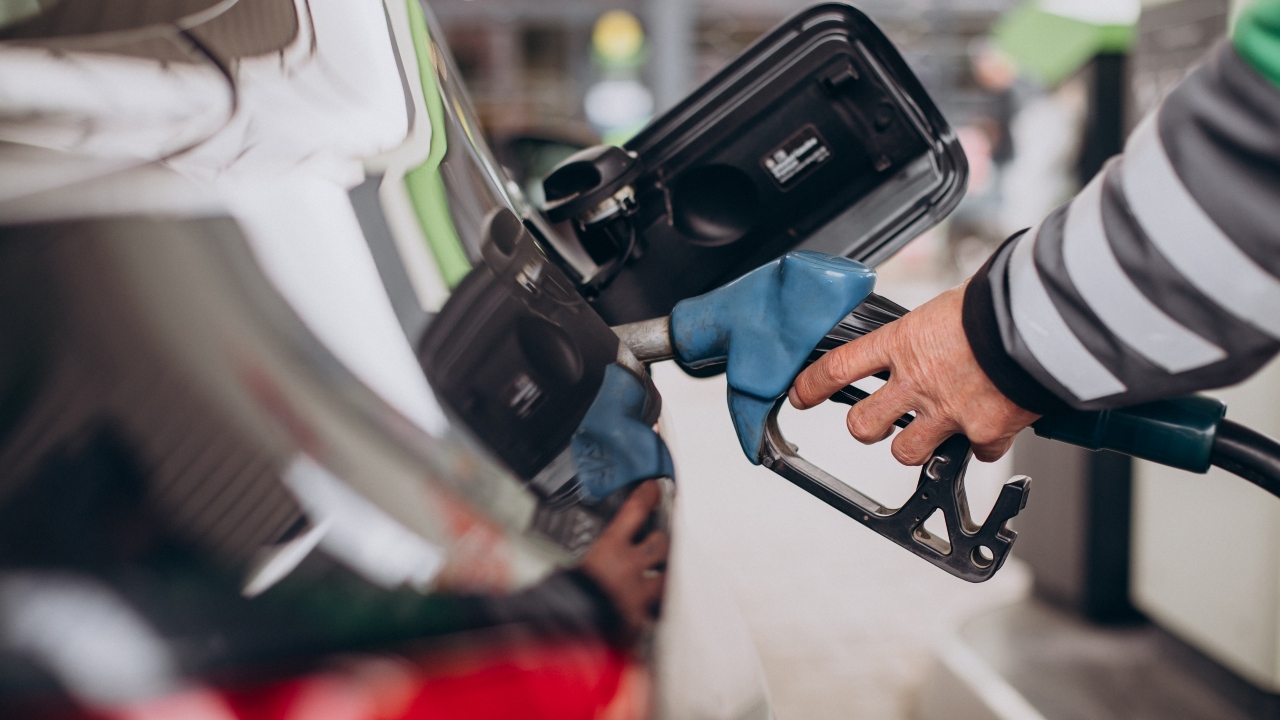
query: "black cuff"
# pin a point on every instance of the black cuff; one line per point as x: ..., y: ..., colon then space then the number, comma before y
x: 983, y: 330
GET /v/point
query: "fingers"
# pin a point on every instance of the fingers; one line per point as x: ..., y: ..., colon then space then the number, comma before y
x: 993, y: 451
x: 933, y: 373
x: 634, y: 512
x: 916, y: 443
x: 871, y: 419
x: 631, y: 572
x: 856, y: 360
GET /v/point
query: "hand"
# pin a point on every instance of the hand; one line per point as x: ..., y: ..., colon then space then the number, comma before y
x: 932, y: 371
x: 625, y: 569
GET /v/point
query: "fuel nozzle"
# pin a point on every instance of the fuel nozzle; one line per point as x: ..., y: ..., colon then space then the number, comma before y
x: 765, y: 327
x: 762, y: 327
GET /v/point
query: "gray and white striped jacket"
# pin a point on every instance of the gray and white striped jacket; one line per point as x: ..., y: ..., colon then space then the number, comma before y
x: 1162, y: 276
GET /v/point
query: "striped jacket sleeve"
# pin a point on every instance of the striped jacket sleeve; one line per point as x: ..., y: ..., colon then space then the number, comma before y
x: 1162, y: 276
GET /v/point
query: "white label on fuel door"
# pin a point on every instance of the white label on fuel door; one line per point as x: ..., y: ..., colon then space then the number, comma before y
x: 795, y: 158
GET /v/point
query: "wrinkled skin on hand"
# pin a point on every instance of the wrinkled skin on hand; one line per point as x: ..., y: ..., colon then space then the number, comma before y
x: 628, y: 570
x: 932, y: 372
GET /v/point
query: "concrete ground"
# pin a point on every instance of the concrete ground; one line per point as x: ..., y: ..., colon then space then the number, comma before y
x: 844, y: 622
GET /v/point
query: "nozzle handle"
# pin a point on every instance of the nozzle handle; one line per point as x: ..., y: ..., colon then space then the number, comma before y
x: 969, y: 551
x: 766, y: 326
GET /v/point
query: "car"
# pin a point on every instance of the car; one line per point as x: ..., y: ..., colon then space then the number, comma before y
x: 302, y: 402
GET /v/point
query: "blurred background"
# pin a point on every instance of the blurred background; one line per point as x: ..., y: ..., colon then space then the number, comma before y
x: 1126, y: 598
x: 550, y: 76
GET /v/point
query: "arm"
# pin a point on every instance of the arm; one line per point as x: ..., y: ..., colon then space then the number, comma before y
x: 1161, y: 277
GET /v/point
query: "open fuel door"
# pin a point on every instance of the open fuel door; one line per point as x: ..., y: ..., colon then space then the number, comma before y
x: 818, y: 136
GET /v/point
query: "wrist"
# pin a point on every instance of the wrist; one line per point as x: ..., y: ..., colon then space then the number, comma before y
x: 982, y: 330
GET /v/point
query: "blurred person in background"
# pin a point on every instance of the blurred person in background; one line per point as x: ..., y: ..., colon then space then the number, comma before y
x: 1020, y: 151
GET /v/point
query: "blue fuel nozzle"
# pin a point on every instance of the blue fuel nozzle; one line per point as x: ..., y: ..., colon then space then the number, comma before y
x: 764, y: 325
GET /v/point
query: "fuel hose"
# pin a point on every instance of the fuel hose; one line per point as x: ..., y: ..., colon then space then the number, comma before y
x: 1247, y: 453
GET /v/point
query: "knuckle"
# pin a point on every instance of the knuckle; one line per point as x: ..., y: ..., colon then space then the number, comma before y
x: 981, y: 438
x: 863, y: 428
x: 917, y: 442
x: 809, y: 383
x: 991, y: 452
x: 838, y: 365
x: 827, y: 373
x: 985, y: 434
x: 905, y: 383
x: 986, y: 456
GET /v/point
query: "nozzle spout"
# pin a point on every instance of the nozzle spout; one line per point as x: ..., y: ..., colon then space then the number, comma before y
x: 648, y: 340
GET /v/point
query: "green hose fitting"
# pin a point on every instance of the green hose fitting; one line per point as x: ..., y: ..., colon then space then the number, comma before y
x: 1177, y: 432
